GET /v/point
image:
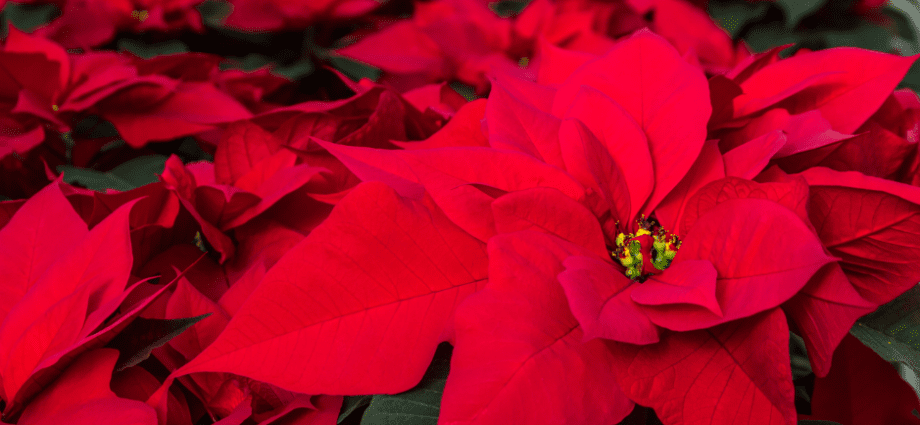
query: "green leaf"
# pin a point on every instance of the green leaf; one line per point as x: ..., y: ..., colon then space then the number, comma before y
x: 299, y: 69
x: 734, y: 16
x: 353, y: 69
x: 28, y: 17
x: 763, y: 37
x: 139, y: 338
x: 899, y: 319
x: 798, y: 356
x: 418, y: 406
x: 508, y: 8
x: 864, y: 35
x: 213, y: 12
x: 351, y: 404
x: 149, y: 50
x: 893, y: 332
x: 129, y: 175
x: 465, y: 90
x: 795, y: 10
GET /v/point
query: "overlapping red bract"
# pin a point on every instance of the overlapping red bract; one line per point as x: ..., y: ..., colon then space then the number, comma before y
x: 346, y: 238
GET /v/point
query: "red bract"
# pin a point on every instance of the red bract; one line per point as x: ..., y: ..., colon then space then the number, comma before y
x: 372, y: 280
x: 253, y: 15
x: 862, y: 388
x: 88, y: 23
x: 493, y: 369
x: 82, y: 395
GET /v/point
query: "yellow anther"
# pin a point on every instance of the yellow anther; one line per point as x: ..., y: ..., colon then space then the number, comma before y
x: 140, y: 15
x: 55, y: 108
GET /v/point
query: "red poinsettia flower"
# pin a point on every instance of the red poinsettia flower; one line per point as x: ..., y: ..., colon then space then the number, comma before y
x: 696, y: 278
x: 89, y: 23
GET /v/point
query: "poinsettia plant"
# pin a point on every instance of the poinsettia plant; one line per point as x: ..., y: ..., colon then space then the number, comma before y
x: 458, y: 212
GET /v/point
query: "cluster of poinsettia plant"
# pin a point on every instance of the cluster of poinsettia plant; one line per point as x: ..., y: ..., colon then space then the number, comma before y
x: 626, y: 217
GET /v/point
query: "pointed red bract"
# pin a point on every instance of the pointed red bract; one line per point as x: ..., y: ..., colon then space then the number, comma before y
x: 621, y: 139
x: 40, y: 232
x: 494, y: 368
x: 792, y: 194
x: 736, y: 373
x: 847, y: 85
x: 687, y: 282
x: 51, y: 315
x: 862, y: 388
x: 378, y: 280
x: 708, y: 167
x: 665, y: 95
x: 446, y: 175
x: 870, y: 224
x: 763, y: 253
x: 825, y: 310
x: 514, y: 124
x: 599, y: 296
x: 550, y: 211
x: 81, y: 396
x: 589, y: 162
x: 244, y: 145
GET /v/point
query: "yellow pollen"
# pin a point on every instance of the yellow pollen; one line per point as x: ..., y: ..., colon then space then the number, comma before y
x: 55, y: 108
x: 140, y: 15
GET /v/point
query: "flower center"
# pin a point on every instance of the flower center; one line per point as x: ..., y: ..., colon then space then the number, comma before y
x: 140, y: 15
x: 646, y: 252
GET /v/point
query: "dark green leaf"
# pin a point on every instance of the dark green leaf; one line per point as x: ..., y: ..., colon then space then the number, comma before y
x: 129, y: 175
x: 353, y: 403
x: 798, y: 356
x: 893, y: 331
x: 900, y: 318
x: 214, y: 12
x: 354, y: 70
x: 28, y: 17
x: 418, y: 406
x: 149, y: 50
x: 795, y: 10
x: 508, y: 8
x: 139, y: 338
x: 301, y: 69
x: 465, y: 90
x: 734, y: 16
x: 865, y: 35
x: 762, y: 37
